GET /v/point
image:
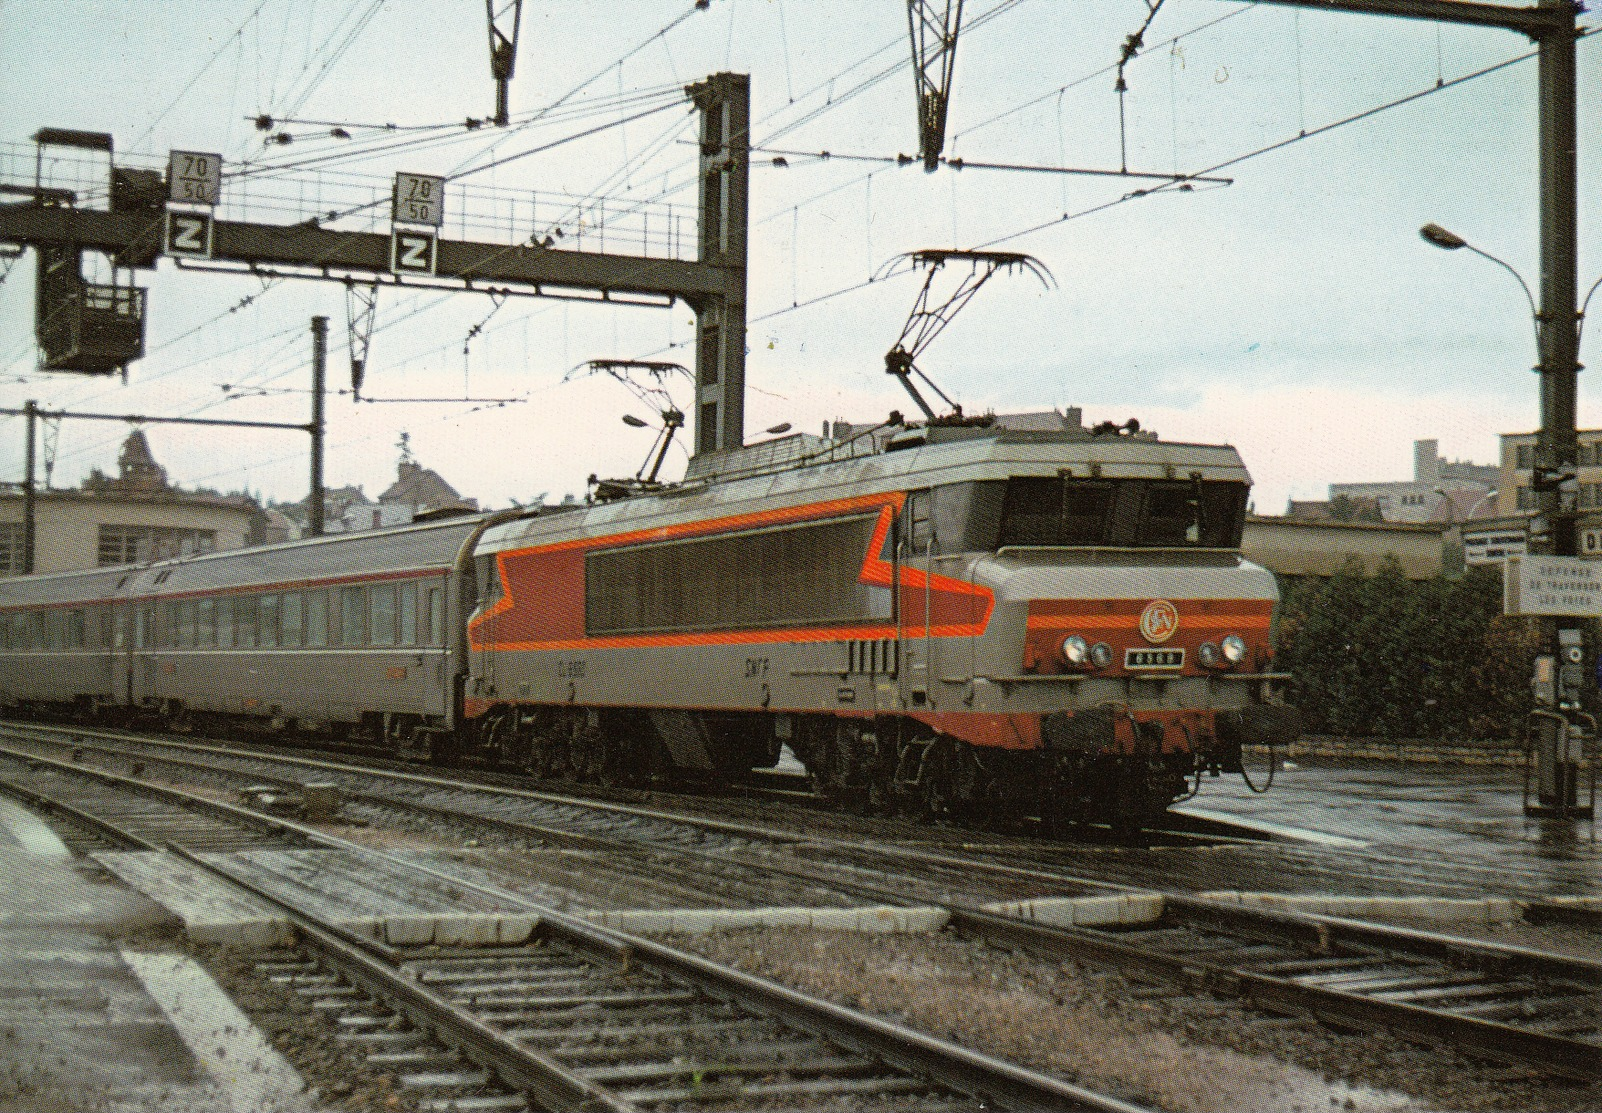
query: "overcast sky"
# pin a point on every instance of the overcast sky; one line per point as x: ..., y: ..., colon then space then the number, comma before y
x: 1294, y: 313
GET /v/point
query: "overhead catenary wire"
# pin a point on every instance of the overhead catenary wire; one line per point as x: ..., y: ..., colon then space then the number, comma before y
x: 1096, y: 208
x: 201, y: 72
x: 548, y: 110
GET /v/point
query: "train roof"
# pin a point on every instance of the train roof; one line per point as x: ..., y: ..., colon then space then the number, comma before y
x: 415, y: 547
x: 46, y: 588
x: 801, y: 469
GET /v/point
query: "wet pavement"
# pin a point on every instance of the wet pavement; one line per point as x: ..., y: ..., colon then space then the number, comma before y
x: 80, y: 1026
x: 1440, y: 829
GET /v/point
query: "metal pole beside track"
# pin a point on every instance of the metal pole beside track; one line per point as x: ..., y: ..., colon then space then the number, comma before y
x: 314, y: 500
x: 30, y: 502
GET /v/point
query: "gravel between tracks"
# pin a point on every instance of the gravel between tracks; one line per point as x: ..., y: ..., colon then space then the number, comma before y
x: 342, y: 1077
x: 1173, y: 1050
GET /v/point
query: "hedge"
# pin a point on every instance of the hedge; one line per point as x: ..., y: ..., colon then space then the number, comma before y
x: 1382, y: 656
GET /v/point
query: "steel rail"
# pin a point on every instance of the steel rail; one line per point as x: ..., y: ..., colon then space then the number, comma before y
x: 1224, y: 916
x: 1575, y: 1059
x: 1315, y: 935
x: 948, y: 1065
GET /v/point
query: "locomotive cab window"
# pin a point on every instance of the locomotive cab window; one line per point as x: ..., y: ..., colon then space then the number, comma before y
x: 1123, y: 513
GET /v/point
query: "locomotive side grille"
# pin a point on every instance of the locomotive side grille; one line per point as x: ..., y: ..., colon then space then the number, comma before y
x: 787, y: 576
x: 873, y: 656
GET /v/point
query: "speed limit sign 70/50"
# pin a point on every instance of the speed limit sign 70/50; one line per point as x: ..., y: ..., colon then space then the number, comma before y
x: 419, y: 199
x: 194, y: 178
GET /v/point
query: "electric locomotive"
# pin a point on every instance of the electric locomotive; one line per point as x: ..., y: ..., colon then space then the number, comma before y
x: 960, y: 616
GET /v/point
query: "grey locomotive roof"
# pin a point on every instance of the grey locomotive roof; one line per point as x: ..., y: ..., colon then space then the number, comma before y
x: 997, y: 456
x: 403, y: 548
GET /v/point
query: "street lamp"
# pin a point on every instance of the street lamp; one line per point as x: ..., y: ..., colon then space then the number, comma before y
x: 1559, y: 680
x: 1451, y: 241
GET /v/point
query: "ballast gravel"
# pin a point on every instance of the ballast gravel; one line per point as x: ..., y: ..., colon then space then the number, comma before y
x: 1145, y: 1043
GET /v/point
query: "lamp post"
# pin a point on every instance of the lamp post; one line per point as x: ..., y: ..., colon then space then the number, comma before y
x: 1554, y: 729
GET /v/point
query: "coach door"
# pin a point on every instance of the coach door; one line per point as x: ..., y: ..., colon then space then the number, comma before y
x: 118, y: 618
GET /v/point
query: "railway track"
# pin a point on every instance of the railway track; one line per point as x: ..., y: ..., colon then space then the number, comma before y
x: 576, y: 1017
x: 1506, y: 1003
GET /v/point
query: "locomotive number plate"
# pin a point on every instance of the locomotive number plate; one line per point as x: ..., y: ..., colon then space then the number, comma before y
x: 1154, y: 658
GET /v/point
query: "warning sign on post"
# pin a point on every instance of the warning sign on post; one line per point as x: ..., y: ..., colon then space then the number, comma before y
x: 1552, y: 586
x: 419, y: 199
x: 188, y: 234
x: 193, y: 177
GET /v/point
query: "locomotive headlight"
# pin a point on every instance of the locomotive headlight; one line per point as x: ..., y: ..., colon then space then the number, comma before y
x: 1075, y: 650
x: 1234, y: 647
x: 1101, y: 655
x: 1209, y: 656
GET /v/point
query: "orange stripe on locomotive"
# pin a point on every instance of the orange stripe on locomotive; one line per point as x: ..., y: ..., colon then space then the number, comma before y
x: 542, y: 607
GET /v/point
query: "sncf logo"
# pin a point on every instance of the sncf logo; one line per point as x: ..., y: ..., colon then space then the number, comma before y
x: 1159, y: 621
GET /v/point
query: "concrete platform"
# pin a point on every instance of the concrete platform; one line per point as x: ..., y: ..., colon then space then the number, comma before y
x: 875, y: 919
x: 1418, y: 830
x: 212, y: 911
x: 80, y: 1028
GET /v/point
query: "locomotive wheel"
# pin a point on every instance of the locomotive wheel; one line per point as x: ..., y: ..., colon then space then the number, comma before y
x: 950, y: 778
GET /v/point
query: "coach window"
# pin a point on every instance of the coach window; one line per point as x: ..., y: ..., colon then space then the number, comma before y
x: 289, y: 621
x: 141, y: 638
x: 205, y: 622
x: 352, y: 615
x: 267, y: 625
x: 74, y: 629
x: 381, y: 610
x: 434, y: 617
x: 406, y: 614
x: 247, y: 609
x: 225, y: 623
x: 316, y: 618
x: 166, y: 625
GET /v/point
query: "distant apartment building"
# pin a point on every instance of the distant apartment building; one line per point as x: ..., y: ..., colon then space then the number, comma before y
x: 1516, y: 475
x: 1441, y: 490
